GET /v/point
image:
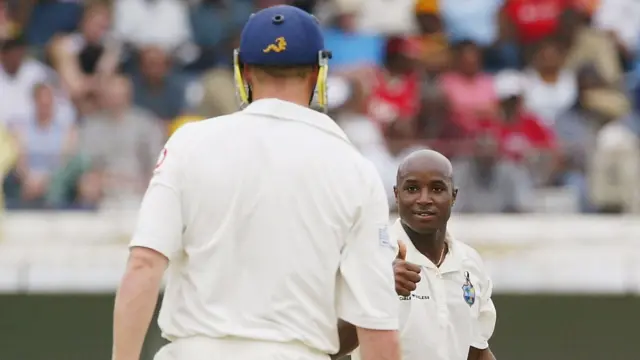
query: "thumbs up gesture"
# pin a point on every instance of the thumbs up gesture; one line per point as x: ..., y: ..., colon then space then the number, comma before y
x: 407, y: 275
x: 402, y: 251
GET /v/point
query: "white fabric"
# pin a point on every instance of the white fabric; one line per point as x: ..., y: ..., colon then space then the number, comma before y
x: 163, y: 23
x: 16, y: 95
x: 622, y: 17
x: 338, y: 91
x: 348, y: 6
x: 436, y: 322
x: 275, y: 227
x: 369, y: 140
x: 16, y: 92
x: 546, y: 100
x: 201, y: 348
x: 615, y: 170
x: 384, y: 17
x: 508, y: 83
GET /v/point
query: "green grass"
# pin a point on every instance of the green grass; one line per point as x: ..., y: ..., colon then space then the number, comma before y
x: 78, y: 327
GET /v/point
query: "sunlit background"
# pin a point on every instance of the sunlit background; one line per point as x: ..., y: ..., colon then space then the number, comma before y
x: 535, y: 102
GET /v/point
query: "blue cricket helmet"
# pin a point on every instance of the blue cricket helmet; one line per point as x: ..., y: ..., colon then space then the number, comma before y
x: 284, y: 36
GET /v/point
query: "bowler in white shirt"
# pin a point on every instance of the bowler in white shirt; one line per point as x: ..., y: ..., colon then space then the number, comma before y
x: 446, y: 312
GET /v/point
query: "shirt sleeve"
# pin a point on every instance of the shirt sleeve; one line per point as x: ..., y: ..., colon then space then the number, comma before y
x: 487, y: 317
x: 366, y: 295
x: 160, y: 221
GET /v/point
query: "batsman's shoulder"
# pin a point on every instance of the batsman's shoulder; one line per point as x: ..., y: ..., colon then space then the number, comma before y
x: 186, y: 132
x: 191, y: 132
x: 182, y: 142
x: 363, y: 165
x: 363, y: 172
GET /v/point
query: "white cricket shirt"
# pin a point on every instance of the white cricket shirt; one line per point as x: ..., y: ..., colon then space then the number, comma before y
x: 275, y: 226
x: 451, y: 308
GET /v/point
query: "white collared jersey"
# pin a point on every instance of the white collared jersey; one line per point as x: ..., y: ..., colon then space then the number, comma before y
x: 451, y: 308
x: 274, y: 226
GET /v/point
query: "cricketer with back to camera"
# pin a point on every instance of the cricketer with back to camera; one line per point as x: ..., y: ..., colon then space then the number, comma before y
x: 277, y: 193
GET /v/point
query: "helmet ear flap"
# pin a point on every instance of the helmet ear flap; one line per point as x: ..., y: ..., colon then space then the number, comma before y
x: 320, y: 94
x: 243, y: 92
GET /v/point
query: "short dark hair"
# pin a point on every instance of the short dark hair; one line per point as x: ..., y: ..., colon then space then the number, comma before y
x: 548, y: 42
x: 13, y: 43
x: 461, y: 45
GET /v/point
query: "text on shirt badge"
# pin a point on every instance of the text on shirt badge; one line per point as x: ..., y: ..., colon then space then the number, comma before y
x: 414, y: 296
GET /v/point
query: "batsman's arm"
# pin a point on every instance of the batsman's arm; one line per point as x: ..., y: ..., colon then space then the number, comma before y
x: 135, y: 301
x: 157, y: 239
x: 365, y: 291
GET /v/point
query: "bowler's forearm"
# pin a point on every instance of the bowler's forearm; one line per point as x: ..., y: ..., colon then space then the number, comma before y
x: 135, y: 302
x: 487, y: 355
x: 348, y: 339
x: 480, y: 354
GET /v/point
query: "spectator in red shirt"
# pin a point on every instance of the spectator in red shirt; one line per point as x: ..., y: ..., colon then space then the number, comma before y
x: 533, y: 20
x: 395, y: 91
x: 522, y: 136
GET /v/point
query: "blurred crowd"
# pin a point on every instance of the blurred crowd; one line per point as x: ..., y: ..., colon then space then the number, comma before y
x: 535, y: 101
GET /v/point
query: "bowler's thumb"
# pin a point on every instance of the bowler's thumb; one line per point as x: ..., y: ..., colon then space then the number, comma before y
x: 402, y: 250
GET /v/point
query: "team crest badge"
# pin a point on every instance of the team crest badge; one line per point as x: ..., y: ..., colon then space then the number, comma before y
x: 468, y: 291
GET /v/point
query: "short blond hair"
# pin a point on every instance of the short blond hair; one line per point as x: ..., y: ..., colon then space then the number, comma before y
x: 284, y: 72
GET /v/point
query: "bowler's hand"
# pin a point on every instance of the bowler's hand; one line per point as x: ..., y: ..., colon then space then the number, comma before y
x: 407, y: 275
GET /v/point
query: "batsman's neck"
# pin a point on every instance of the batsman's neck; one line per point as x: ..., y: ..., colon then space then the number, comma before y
x: 290, y: 92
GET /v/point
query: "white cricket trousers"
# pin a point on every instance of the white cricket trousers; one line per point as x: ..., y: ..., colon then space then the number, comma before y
x: 204, y: 348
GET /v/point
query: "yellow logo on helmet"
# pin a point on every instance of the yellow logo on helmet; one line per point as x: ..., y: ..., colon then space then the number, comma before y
x: 280, y: 45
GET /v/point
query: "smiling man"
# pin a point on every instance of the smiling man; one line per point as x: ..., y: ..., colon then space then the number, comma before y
x: 446, y: 312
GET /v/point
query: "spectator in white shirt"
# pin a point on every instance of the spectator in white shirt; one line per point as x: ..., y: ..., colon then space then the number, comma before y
x: 163, y: 23
x: 18, y: 76
x: 549, y: 88
x: 381, y: 16
x: 622, y: 19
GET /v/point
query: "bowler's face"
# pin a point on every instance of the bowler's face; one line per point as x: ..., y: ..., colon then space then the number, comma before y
x: 424, y: 200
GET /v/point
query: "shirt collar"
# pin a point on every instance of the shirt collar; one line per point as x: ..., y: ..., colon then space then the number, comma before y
x: 452, y: 260
x: 285, y: 110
